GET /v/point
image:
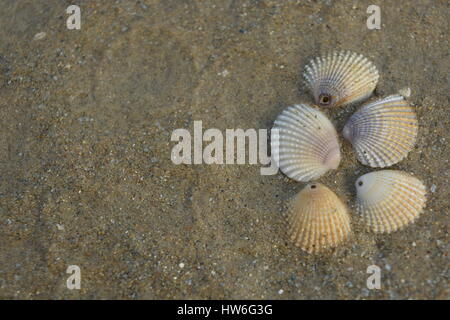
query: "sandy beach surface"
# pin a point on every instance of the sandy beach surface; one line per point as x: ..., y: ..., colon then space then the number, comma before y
x: 86, y: 176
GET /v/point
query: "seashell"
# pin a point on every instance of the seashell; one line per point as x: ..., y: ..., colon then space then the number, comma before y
x: 317, y: 219
x: 382, y: 132
x: 389, y: 199
x: 340, y: 78
x: 304, y: 143
x: 405, y: 92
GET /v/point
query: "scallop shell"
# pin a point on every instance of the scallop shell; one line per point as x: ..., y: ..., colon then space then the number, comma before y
x: 389, y: 199
x: 340, y: 78
x: 304, y: 143
x: 317, y: 219
x: 382, y: 132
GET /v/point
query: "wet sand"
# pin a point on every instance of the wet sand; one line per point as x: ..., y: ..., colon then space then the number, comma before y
x: 86, y: 176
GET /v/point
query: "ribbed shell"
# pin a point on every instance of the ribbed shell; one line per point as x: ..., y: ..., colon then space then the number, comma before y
x: 340, y: 78
x: 304, y: 143
x: 389, y: 199
x: 317, y: 219
x: 382, y: 132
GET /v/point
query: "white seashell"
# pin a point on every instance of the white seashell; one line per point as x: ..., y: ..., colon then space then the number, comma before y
x: 39, y: 36
x: 317, y: 219
x: 389, y: 199
x: 382, y: 132
x: 405, y: 92
x: 340, y: 78
x: 304, y: 143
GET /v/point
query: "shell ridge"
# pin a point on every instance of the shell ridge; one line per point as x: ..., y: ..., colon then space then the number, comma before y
x: 307, y: 138
x: 382, y: 132
x: 345, y: 76
x: 393, y: 200
x: 317, y: 219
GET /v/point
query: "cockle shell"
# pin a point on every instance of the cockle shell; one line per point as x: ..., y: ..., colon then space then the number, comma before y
x: 340, y: 78
x: 389, y: 199
x: 317, y: 219
x: 304, y: 143
x: 382, y: 132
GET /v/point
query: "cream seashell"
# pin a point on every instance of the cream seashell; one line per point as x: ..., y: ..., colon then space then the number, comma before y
x: 317, y: 219
x: 405, y: 92
x: 304, y: 143
x: 340, y: 78
x: 389, y: 199
x: 382, y: 132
